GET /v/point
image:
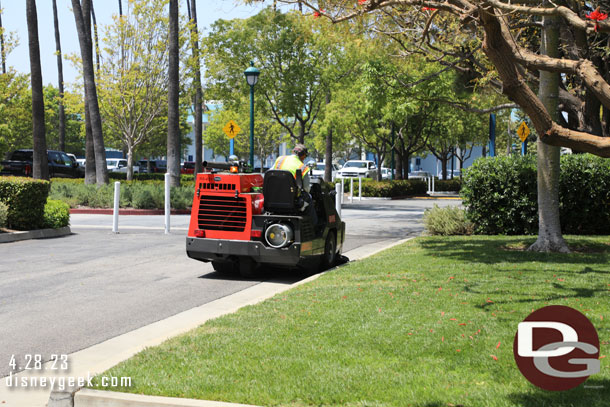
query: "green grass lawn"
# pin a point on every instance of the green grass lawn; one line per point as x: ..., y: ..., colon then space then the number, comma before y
x: 428, y: 323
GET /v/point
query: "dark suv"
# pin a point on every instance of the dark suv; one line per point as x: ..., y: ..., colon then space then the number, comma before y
x: 155, y: 166
x: 20, y: 163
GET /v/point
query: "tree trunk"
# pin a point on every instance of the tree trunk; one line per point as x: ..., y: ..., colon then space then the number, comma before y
x: 84, y: 39
x: 328, y: 152
x: 328, y: 157
x: 444, y: 167
x: 60, y: 81
x: 95, y: 37
x: 120, y: 8
x: 173, y: 135
x: 302, y: 132
x: 405, y: 164
x: 90, y: 172
x: 129, y: 162
x: 549, y: 226
x: 40, y: 168
x: 3, y: 55
x: 198, y: 130
x: 398, y: 162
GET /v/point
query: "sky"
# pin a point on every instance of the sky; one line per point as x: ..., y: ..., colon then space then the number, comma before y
x: 14, y: 20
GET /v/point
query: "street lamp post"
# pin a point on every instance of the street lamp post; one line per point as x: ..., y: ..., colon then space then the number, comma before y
x: 252, y: 77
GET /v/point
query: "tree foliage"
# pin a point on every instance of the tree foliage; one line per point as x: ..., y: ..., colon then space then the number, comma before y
x: 456, y: 33
x: 133, y: 79
x: 290, y: 56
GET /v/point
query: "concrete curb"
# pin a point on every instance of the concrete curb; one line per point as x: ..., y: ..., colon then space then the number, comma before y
x: 98, y: 398
x: 183, y: 323
x: 34, y: 234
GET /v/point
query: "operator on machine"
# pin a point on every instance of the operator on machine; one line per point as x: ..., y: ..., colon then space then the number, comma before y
x: 293, y: 163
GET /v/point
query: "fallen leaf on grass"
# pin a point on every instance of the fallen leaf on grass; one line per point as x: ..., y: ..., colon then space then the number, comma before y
x: 494, y: 357
x: 498, y: 345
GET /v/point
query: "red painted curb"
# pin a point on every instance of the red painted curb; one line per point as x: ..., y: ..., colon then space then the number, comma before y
x: 104, y: 211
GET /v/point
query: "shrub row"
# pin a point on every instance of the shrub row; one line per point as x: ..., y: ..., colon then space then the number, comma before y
x: 26, y: 199
x: 139, y: 195
x: 119, y: 176
x: 387, y: 189
x: 447, y: 221
x: 448, y: 185
x: 56, y: 214
x: 500, y: 194
x: 3, y: 215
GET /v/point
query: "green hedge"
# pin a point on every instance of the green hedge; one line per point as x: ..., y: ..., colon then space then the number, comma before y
x: 134, y: 194
x: 447, y: 221
x: 387, y: 188
x: 155, y: 176
x: 25, y: 198
x: 447, y: 185
x: 3, y: 214
x: 500, y: 194
x: 56, y: 214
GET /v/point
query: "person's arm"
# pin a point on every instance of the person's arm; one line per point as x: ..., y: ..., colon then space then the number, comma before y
x: 306, y: 182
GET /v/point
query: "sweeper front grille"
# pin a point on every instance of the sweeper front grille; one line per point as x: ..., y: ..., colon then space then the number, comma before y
x: 222, y: 213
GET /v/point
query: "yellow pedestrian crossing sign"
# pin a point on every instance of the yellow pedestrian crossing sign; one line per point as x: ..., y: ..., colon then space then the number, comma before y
x: 231, y: 129
x: 523, y: 131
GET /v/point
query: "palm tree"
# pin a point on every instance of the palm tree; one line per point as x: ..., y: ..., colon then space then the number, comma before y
x: 2, y: 42
x: 173, y: 131
x: 198, y: 93
x: 60, y: 81
x: 40, y: 168
x: 95, y: 37
x: 82, y: 16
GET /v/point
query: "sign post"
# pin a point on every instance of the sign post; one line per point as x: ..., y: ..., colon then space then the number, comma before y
x: 523, y: 131
x: 231, y: 129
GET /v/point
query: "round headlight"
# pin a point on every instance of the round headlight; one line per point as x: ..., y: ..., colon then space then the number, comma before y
x: 279, y: 235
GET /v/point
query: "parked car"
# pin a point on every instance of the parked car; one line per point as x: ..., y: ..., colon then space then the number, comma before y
x: 187, y: 167
x: 116, y: 165
x: 386, y: 173
x: 419, y: 175
x: 20, y: 163
x: 318, y: 170
x: 159, y: 166
x: 80, y: 168
x: 358, y: 169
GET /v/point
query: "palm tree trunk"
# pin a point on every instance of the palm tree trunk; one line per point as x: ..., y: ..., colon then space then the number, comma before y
x: 60, y: 81
x: 90, y: 173
x: 550, y: 238
x: 198, y: 130
x: 173, y: 131
x: 95, y: 37
x: 2, y: 42
x: 40, y: 168
x: 84, y: 39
